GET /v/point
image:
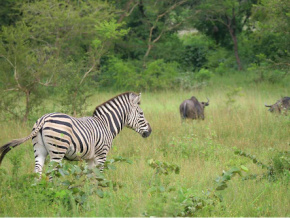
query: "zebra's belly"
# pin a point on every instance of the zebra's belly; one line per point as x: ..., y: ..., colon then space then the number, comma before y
x: 71, y: 154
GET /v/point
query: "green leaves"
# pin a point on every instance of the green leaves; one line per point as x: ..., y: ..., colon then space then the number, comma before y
x: 244, y: 168
x: 75, y: 183
x: 252, y: 157
x: 109, y: 163
x: 226, y: 176
x: 110, y: 30
x: 163, y: 167
x: 279, y: 164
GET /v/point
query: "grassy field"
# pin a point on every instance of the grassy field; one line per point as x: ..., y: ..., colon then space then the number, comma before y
x: 235, y: 119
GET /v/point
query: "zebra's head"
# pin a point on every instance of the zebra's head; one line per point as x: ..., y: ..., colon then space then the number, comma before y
x: 136, y: 119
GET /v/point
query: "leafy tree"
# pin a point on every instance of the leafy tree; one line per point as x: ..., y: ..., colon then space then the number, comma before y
x: 79, y: 33
x: 271, y: 20
x: 23, y: 70
x: 50, y: 37
x: 150, y: 21
x: 233, y: 15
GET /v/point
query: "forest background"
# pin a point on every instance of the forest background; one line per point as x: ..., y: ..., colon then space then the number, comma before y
x: 73, y: 49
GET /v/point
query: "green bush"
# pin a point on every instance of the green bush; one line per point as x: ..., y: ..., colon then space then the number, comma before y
x: 220, y: 55
x: 124, y: 75
x: 265, y: 72
x: 160, y: 75
x: 221, y: 69
x: 203, y: 75
x: 196, y: 50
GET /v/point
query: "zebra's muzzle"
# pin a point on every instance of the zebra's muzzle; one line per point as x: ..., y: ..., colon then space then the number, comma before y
x: 147, y: 133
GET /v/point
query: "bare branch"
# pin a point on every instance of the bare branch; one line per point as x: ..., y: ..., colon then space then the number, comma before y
x: 132, y: 9
x: 127, y: 10
x: 7, y: 60
x: 11, y: 89
x: 150, y: 42
x: 17, y: 79
x: 87, y: 73
x: 170, y: 9
x: 47, y: 83
x: 158, y: 37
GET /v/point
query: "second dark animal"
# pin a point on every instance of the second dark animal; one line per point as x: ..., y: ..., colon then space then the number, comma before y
x: 192, y: 108
x: 282, y: 105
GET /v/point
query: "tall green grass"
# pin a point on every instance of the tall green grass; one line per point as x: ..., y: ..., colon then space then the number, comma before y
x: 202, y: 150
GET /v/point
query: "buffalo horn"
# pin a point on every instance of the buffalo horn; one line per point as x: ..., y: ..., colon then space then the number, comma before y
x: 268, y: 105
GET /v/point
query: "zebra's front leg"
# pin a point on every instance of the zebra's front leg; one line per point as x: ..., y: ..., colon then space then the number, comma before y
x: 99, y: 162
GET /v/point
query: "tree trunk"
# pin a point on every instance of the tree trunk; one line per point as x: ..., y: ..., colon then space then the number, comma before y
x: 235, y: 41
x: 74, y: 104
x: 27, y: 105
x: 147, y: 53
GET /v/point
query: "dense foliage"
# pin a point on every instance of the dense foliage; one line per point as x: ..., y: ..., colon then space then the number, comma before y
x: 73, y: 48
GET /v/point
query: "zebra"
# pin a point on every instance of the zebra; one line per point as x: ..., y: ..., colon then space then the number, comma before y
x: 88, y: 138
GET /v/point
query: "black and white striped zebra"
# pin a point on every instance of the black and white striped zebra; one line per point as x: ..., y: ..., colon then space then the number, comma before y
x: 88, y: 138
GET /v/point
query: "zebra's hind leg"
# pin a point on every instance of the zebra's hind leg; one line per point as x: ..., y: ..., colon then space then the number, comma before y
x: 56, y: 147
x: 99, y: 162
x: 56, y: 156
x: 40, y: 153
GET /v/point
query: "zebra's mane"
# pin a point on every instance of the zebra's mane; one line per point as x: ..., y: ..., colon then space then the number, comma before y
x: 124, y: 93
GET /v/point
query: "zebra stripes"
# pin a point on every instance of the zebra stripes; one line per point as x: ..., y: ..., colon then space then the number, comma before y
x: 89, y: 138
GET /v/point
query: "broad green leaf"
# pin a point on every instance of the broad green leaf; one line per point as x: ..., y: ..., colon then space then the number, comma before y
x: 244, y: 168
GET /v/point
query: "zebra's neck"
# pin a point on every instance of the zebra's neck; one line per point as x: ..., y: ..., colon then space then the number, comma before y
x: 113, y: 113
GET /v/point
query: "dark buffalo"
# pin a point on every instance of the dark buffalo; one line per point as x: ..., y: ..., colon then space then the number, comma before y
x: 281, y: 105
x: 192, y: 108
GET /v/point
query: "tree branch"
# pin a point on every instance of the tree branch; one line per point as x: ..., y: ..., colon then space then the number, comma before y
x: 87, y: 73
x: 127, y: 10
x: 47, y: 83
x: 150, y: 42
x: 11, y: 89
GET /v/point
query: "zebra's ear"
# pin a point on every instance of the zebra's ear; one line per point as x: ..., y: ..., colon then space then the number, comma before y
x: 136, y: 99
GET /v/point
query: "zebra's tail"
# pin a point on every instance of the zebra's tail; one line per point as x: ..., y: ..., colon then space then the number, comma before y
x: 7, y: 147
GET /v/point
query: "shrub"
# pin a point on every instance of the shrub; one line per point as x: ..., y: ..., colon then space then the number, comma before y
x: 203, y: 75
x: 279, y: 164
x: 196, y: 50
x: 160, y: 75
x: 131, y: 75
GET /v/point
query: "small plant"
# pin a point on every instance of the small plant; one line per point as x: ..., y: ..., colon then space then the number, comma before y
x: 73, y: 184
x: 109, y: 163
x: 15, y: 159
x: 221, y: 69
x: 190, y: 204
x: 163, y: 167
x: 279, y: 164
x: 75, y: 181
x: 232, y: 94
x: 193, y: 204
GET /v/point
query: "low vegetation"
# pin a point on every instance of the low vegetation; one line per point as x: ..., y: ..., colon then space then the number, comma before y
x: 233, y: 163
